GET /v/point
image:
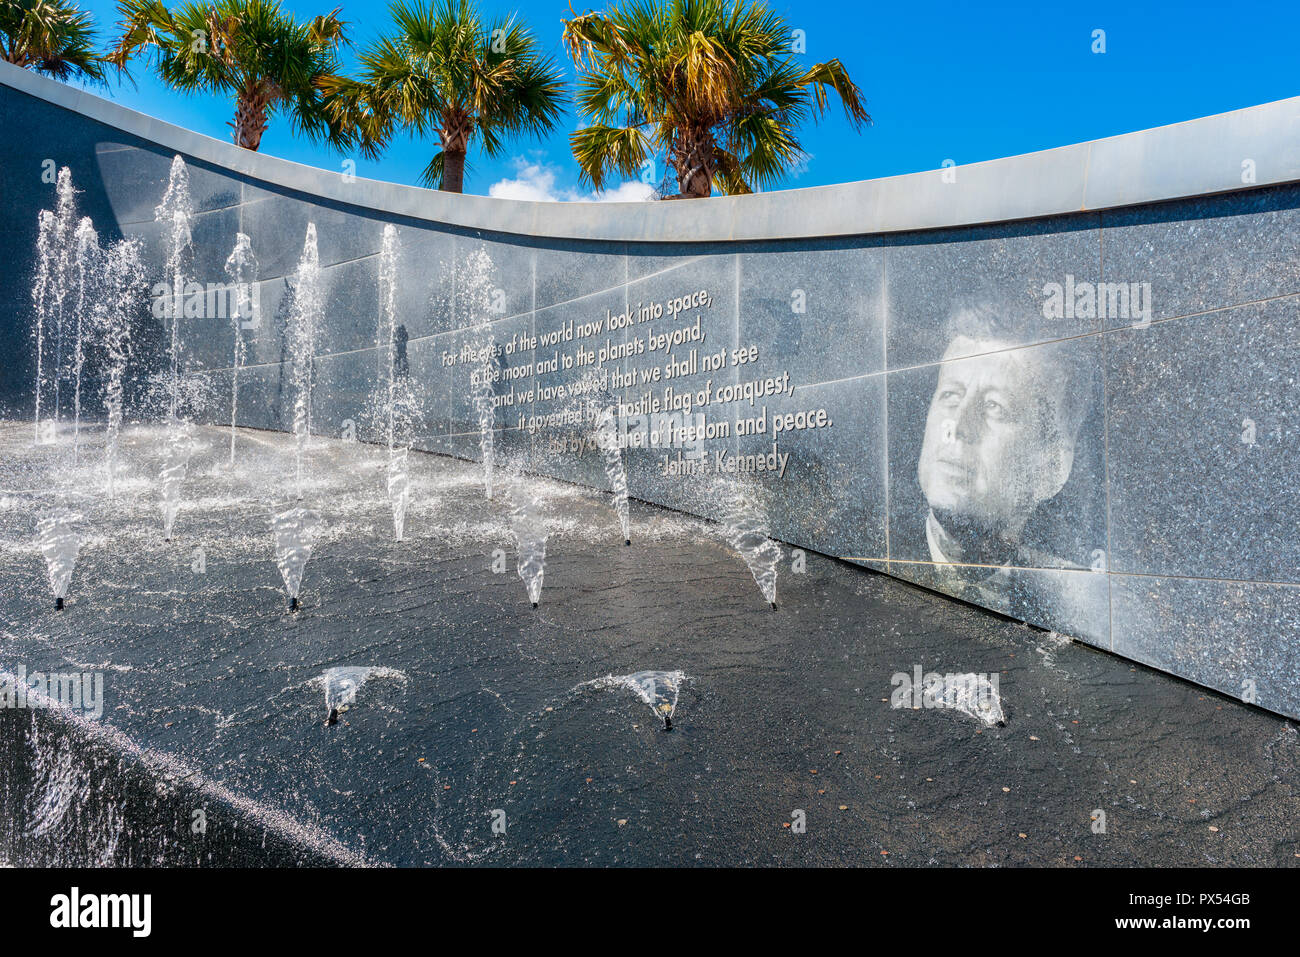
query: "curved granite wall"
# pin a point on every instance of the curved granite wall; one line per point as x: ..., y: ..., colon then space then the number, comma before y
x: 1062, y: 385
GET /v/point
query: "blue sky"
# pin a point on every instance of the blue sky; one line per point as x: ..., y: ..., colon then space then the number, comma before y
x: 966, y: 82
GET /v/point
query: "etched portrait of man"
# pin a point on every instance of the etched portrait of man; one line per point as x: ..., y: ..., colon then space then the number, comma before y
x: 1001, y: 435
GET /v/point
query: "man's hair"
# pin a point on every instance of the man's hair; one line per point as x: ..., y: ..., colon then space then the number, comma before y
x: 986, y: 319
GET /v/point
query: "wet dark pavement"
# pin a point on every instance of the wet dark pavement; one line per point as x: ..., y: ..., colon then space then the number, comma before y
x: 785, y: 749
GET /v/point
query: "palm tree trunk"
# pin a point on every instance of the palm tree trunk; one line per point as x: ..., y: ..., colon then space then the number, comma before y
x: 250, y: 118
x: 694, y: 162
x: 699, y: 184
x: 456, y: 129
x: 453, y: 171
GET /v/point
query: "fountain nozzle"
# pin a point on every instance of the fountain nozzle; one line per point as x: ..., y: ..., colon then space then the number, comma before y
x: 668, y: 722
x: 627, y: 541
x: 293, y: 603
x: 58, y: 604
x: 534, y: 604
x: 332, y: 718
x: 774, y: 606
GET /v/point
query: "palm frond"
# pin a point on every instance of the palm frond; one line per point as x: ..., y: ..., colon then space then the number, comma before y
x: 53, y: 37
x: 431, y: 176
x: 711, y: 82
x: 443, y: 69
x: 601, y: 150
x: 832, y: 75
x: 256, y: 52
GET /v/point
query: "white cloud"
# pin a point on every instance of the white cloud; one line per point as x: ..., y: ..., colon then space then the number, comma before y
x: 802, y: 165
x: 535, y: 182
x: 632, y: 191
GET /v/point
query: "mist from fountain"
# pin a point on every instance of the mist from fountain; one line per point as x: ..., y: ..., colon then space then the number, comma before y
x: 307, y: 309
x: 241, y: 268
x: 294, y: 530
x: 60, y: 544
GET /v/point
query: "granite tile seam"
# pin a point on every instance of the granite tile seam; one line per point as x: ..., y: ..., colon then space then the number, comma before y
x: 1109, y: 573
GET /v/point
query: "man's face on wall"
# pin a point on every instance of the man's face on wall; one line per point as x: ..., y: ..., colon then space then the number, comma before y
x: 994, y: 447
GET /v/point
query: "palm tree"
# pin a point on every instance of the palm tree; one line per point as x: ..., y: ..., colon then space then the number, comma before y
x: 50, y: 36
x: 271, y: 62
x: 448, y: 71
x: 711, y: 83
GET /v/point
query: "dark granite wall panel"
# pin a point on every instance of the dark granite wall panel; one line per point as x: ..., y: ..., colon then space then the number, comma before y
x: 1206, y: 253
x: 1086, y: 421
x: 1236, y: 637
x: 1204, y: 442
x: 1001, y: 270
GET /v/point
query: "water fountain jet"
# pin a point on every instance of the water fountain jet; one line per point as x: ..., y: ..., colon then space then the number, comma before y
x: 123, y: 285
x: 60, y: 544
x: 56, y: 244
x: 974, y: 696
x: 657, y: 689
x: 529, y: 526
x: 294, y: 530
x: 176, y: 463
x: 343, y: 684
x: 87, y: 266
x: 42, y: 297
x: 744, y: 526
x: 606, y: 433
x: 241, y: 267
x: 307, y: 308
x: 174, y: 214
x: 477, y: 293
x: 396, y: 401
x: 63, y: 244
x: 483, y: 403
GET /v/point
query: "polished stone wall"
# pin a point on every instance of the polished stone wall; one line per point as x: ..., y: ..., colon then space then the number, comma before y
x: 1083, y: 420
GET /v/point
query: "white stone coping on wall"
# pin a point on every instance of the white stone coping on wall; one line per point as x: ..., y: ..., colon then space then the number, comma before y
x: 1255, y: 146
